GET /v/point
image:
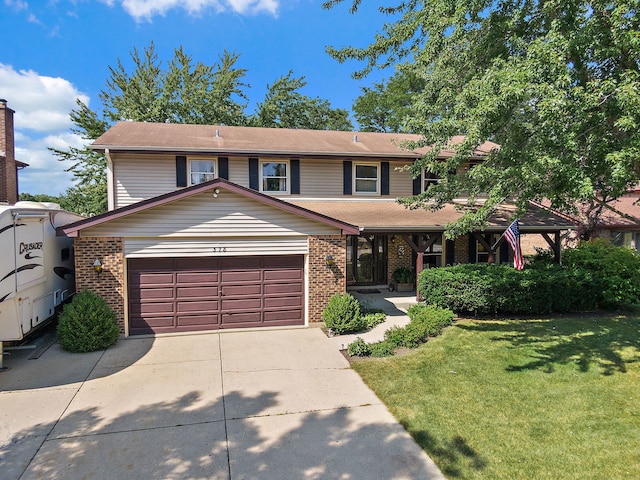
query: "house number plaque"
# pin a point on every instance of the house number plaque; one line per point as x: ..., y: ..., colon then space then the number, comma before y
x: 219, y: 249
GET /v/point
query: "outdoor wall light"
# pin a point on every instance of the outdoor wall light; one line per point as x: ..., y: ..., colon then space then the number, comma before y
x: 216, y: 191
x: 329, y: 261
x: 97, y: 266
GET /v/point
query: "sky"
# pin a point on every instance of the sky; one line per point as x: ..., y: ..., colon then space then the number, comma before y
x: 53, y: 52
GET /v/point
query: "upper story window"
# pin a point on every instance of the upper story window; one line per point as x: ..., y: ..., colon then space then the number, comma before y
x: 428, y: 179
x: 201, y: 171
x: 274, y: 177
x: 365, y: 179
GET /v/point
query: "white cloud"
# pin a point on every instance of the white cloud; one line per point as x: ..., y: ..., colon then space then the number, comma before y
x: 42, y: 105
x: 146, y: 9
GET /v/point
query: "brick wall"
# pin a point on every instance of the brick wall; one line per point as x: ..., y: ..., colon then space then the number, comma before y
x: 8, y: 174
x: 399, y: 254
x: 110, y: 283
x: 325, y: 282
x: 461, y: 249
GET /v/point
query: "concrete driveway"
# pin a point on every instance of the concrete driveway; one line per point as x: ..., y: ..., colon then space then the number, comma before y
x: 246, y: 405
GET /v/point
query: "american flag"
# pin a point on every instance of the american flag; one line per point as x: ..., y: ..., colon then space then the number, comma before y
x: 512, y: 234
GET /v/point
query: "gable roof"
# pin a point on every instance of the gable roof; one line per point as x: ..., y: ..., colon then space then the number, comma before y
x: 73, y: 229
x: 227, y: 140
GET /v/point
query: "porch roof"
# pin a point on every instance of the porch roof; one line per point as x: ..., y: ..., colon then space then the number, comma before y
x: 389, y: 216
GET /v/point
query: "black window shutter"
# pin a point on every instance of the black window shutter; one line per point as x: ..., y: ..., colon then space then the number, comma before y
x: 451, y: 252
x: 181, y: 171
x: 347, y: 181
x: 223, y: 168
x: 472, y: 248
x: 254, y: 178
x: 384, y: 175
x: 417, y: 185
x: 295, y: 176
x: 504, y: 252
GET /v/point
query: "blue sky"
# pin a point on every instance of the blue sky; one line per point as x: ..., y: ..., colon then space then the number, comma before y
x: 54, y: 51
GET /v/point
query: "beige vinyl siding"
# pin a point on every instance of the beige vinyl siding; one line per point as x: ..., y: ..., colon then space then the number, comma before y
x: 400, y: 181
x: 220, y: 247
x: 320, y: 178
x: 203, y: 215
x: 138, y: 177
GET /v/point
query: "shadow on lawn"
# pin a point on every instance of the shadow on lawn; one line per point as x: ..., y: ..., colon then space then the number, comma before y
x: 609, y: 341
x: 454, y: 452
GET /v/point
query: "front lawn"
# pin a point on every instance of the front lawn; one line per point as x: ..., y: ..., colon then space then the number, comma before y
x: 521, y: 399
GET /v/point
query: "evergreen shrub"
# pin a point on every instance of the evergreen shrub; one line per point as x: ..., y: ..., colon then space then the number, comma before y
x: 87, y: 324
x: 342, y: 314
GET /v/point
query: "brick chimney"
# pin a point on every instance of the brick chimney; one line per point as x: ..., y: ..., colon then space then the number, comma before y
x: 8, y: 165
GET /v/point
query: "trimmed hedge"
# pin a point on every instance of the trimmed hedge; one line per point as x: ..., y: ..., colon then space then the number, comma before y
x: 595, y: 275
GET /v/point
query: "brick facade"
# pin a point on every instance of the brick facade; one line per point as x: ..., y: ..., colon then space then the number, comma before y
x: 110, y: 283
x: 8, y: 170
x: 399, y: 254
x: 324, y: 282
x: 461, y: 249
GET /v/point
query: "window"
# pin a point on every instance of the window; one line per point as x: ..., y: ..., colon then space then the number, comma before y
x: 627, y: 239
x: 482, y: 254
x: 201, y: 171
x: 428, y: 179
x: 365, y: 179
x: 274, y: 177
x: 432, y: 256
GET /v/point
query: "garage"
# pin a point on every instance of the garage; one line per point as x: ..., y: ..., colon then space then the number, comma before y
x: 186, y: 294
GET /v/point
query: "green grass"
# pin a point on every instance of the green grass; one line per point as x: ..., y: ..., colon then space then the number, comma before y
x: 521, y: 399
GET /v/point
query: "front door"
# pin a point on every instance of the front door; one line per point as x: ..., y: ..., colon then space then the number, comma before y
x: 367, y: 260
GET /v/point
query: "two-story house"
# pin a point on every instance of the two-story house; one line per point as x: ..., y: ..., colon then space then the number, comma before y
x: 215, y: 227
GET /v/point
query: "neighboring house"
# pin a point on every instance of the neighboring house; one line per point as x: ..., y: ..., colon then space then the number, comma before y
x: 222, y: 227
x: 618, y: 220
x: 9, y: 166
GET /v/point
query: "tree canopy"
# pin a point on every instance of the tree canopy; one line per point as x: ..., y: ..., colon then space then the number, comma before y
x: 555, y: 83
x: 285, y: 107
x: 183, y: 92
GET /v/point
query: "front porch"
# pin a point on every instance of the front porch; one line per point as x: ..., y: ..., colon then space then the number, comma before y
x: 372, y: 258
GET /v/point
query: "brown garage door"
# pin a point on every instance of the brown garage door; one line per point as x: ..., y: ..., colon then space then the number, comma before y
x: 190, y: 294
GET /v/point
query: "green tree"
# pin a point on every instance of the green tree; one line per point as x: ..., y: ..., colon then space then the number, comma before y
x: 38, y: 197
x: 387, y: 106
x: 184, y: 92
x: 285, y: 107
x: 554, y: 83
x: 89, y: 194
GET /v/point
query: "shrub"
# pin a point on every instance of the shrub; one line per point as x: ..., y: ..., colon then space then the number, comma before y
x: 394, y: 336
x: 87, y: 324
x: 374, y: 319
x: 342, y: 314
x: 381, y: 349
x: 358, y: 348
x: 615, y: 270
x: 488, y: 289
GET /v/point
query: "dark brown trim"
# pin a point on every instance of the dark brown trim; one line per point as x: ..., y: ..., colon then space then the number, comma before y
x: 73, y: 229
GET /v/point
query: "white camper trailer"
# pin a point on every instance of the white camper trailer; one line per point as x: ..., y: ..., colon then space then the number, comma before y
x: 36, y: 266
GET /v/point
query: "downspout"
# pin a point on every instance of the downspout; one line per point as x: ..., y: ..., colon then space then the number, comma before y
x: 110, y: 191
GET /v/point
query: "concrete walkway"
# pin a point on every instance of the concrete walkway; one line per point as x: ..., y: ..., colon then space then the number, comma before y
x: 394, y: 304
x: 247, y: 405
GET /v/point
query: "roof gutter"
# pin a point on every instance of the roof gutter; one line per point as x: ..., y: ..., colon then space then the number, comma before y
x: 164, y: 149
